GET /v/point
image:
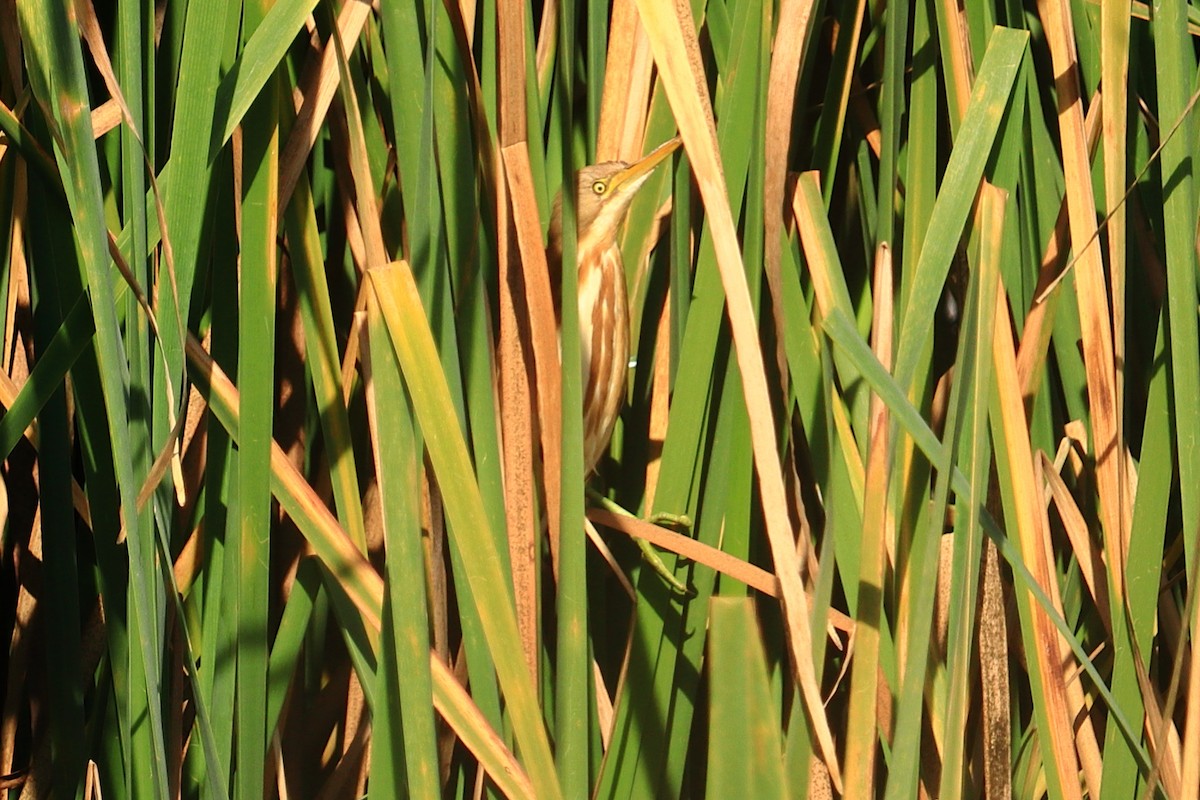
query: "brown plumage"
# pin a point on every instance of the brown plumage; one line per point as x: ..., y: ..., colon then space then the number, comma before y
x: 604, y: 192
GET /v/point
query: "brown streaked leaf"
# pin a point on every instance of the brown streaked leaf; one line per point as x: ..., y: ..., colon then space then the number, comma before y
x: 1039, y: 322
x: 1091, y: 560
x: 962, y: 63
x: 525, y: 307
x: 1049, y: 652
x: 1091, y: 291
x: 1085, y: 733
x: 317, y: 87
x: 510, y: 29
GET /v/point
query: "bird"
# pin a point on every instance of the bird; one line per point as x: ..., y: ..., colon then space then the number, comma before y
x: 604, y: 192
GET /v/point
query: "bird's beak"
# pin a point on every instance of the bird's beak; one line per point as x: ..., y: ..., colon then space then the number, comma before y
x: 635, y: 173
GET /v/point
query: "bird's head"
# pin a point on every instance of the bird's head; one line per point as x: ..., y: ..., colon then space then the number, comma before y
x: 603, y: 193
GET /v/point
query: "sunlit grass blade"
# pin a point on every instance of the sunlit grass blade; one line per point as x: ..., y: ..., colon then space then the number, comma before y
x: 259, y: 59
x: 974, y: 454
x: 407, y: 737
x: 670, y: 42
x: 186, y: 193
x: 868, y: 703
x: 972, y: 148
x: 572, y: 663
x: 58, y: 68
x: 259, y: 170
x: 1175, y: 60
x: 829, y: 284
x: 410, y: 335
x: 745, y: 750
x: 321, y: 338
x: 966, y: 415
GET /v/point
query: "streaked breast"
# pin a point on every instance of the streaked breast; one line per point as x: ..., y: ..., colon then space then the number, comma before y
x: 604, y: 347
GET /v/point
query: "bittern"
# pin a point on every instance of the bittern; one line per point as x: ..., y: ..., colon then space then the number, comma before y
x: 603, y: 194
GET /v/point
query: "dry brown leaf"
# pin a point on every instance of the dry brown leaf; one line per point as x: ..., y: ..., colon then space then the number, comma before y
x: 605, y: 718
x: 105, y: 117
x: 1114, y: 69
x: 660, y: 396
x: 547, y: 42
x: 994, y: 682
x: 516, y: 429
x: 525, y: 306
x: 1086, y: 744
x: 529, y: 307
x: 882, y: 344
x: 694, y: 550
x: 624, y: 101
x: 1091, y: 560
x: 963, y: 63
x: 794, y: 31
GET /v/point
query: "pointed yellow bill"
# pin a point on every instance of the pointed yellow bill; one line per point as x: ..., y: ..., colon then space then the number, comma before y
x: 643, y: 166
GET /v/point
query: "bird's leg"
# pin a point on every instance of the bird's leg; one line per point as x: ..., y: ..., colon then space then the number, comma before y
x: 680, y: 522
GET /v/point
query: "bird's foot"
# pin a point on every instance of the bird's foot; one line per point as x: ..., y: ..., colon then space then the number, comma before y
x: 659, y: 566
x: 680, y: 523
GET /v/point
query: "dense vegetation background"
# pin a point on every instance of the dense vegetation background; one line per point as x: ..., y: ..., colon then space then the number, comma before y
x: 294, y: 491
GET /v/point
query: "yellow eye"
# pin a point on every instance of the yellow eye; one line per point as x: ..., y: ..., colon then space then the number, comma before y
x: 599, y: 187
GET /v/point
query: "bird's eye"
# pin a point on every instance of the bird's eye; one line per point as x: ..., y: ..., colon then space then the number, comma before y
x: 599, y: 187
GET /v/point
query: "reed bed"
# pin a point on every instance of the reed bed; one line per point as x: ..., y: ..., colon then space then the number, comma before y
x: 294, y: 497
